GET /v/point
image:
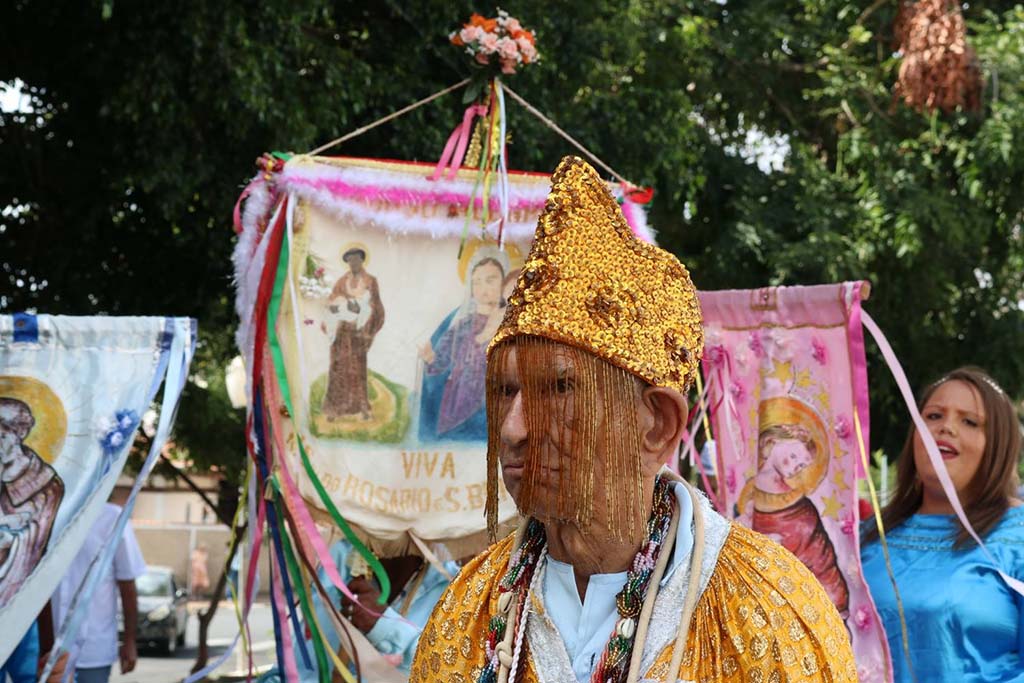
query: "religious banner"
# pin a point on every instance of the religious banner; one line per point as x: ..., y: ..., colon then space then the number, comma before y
x: 389, y: 292
x: 73, y: 392
x: 787, y: 390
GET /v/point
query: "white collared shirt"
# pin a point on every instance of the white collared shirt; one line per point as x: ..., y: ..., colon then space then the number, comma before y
x: 586, y: 626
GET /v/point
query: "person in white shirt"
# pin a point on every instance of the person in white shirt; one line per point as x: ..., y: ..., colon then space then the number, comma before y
x: 95, y: 649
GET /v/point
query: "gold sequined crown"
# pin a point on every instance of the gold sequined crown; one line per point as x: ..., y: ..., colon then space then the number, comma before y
x: 590, y: 283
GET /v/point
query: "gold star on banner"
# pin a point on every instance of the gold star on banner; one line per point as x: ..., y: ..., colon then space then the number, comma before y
x: 825, y: 401
x: 832, y: 506
x: 840, y: 481
x: 803, y: 379
x: 782, y: 372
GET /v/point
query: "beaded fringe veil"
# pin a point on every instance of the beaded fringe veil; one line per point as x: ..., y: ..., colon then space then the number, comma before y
x: 582, y: 435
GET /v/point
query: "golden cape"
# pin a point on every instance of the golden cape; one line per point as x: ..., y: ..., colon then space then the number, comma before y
x: 761, y: 617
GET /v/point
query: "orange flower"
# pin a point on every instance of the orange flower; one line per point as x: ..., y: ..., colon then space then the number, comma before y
x: 486, y: 24
x: 456, y: 40
x: 524, y: 34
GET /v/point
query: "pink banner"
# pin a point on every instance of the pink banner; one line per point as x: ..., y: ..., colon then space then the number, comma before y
x: 786, y: 371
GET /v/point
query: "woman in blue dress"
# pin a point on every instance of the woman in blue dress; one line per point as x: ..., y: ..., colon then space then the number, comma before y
x: 964, y: 623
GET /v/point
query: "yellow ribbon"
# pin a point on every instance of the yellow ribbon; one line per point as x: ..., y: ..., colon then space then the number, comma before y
x: 235, y: 597
x: 700, y: 395
x: 881, y: 538
x: 338, y: 664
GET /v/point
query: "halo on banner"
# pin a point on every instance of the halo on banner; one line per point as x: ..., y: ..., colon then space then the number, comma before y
x: 353, y: 247
x: 782, y: 411
x: 51, y: 421
x: 511, y: 250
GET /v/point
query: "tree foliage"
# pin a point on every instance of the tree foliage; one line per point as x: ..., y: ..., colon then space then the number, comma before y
x: 145, y: 118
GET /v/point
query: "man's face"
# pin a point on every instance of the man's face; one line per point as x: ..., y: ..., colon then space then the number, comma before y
x: 552, y: 386
x: 355, y: 262
x: 564, y: 418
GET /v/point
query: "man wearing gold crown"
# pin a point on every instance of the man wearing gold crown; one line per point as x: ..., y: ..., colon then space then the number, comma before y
x: 620, y: 572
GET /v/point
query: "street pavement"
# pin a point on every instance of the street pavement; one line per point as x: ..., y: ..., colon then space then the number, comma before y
x: 154, y: 668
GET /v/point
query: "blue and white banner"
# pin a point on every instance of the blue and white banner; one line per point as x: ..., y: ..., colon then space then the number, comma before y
x: 72, y: 394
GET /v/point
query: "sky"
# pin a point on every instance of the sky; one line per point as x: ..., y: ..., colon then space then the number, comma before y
x: 12, y: 98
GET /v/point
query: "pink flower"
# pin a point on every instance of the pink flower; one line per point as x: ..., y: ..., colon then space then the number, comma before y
x: 781, y: 343
x: 471, y: 34
x: 755, y: 344
x: 818, y: 351
x: 527, y: 49
x: 320, y: 271
x: 489, y: 43
x: 715, y: 355
x: 862, y: 617
x: 507, y: 48
x: 843, y: 430
x: 508, y: 66
x: 512, y: 25
x: 730, y: 480
x: 482, y: 58
x: 848, y: 524
x: 738, y: 391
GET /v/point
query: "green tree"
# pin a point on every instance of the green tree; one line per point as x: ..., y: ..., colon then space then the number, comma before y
x: 145, y: 119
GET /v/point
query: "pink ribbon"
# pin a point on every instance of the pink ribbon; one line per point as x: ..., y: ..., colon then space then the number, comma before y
x: 455, y: 149
x: 929, y: 444
x: 297, y: 507
x: 291, y: 670
x: 237, y: 213
x: 858, y: 362
x: 700, y: 409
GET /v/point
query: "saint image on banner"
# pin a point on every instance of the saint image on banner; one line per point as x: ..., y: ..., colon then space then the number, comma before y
x: 355, y: 305
x: 792, y: 459
x: 30, y: 493
x: 452, y: 405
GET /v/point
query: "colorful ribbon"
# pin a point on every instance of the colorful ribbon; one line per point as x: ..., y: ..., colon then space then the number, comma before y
x: 884, y: 543
x: 455, y: 149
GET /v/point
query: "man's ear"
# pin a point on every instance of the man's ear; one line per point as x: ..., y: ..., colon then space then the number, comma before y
x: 663, y: 423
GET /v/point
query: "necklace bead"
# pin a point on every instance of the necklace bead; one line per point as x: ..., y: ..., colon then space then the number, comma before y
x: 614, y: 662
x: 626, y: 627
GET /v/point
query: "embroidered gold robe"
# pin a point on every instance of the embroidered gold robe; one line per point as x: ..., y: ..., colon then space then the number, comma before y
x: 761, y: 617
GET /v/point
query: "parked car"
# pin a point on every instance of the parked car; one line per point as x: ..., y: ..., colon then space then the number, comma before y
x: 163, y: 610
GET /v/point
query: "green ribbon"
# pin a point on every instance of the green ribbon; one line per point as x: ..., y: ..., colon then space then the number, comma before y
x: 282, y: 377
x: 300, y: 587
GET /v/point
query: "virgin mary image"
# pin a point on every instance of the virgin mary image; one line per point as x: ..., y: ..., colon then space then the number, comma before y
x: 792, y: 459
x: 452, y: 403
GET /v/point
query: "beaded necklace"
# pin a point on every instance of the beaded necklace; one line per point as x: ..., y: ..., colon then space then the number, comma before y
x: 612, y: 668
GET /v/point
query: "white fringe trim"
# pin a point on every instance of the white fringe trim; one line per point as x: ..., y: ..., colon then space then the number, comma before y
x: 310, y: 180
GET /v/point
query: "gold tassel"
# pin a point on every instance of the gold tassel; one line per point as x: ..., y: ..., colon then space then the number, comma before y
x: 475, y: 148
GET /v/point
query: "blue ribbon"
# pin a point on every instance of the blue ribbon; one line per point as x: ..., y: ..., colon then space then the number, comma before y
x: 275, y: 532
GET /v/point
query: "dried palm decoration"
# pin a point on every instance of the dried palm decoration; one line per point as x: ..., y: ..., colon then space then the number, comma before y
x: 939, y: 69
